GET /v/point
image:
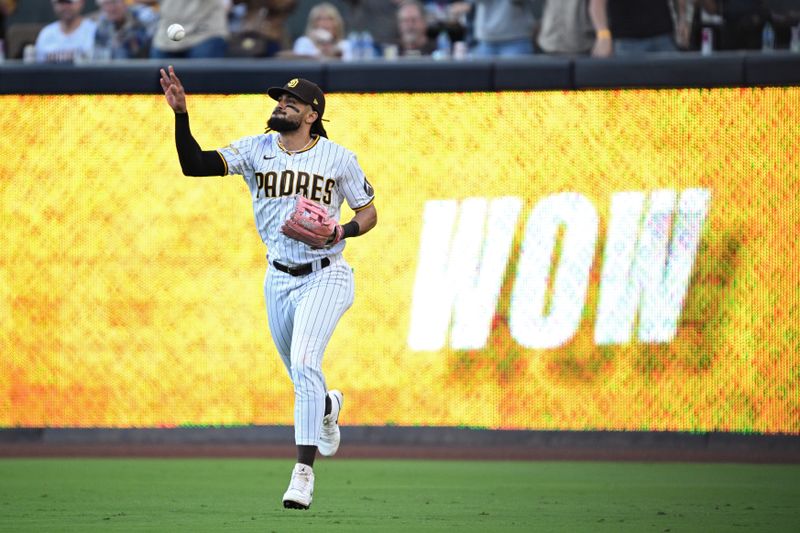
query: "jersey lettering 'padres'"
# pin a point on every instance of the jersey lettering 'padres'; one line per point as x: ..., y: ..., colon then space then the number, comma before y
x: 323, y: 172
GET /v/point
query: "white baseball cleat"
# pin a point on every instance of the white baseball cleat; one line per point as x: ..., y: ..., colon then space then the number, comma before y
x: 301, y: 488
x: 330, y: 436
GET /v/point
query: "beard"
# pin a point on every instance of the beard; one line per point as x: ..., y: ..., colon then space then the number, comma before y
x: 282, y: 124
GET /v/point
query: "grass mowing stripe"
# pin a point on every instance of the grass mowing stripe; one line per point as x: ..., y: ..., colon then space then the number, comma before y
x: 394, y: 496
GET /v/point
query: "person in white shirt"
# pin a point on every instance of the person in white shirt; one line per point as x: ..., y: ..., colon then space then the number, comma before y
x: 324, y: 36
x: 206, y: 24
x: 70, y: 38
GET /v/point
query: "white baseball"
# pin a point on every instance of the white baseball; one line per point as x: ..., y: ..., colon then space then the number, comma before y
x: 176, y: 32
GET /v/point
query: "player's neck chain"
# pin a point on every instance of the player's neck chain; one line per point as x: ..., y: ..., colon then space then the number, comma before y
x: 292, y: 152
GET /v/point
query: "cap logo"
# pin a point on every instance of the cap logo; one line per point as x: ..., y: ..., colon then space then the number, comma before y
x: 315, y: 102
x: 293, y: 83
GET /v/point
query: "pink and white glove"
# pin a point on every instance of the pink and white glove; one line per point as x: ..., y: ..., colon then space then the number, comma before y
x: 310, y: 224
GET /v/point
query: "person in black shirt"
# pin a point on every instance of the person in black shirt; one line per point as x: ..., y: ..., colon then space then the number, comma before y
x: 629, y: 27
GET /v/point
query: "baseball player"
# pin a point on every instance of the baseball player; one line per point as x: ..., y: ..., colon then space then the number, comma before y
x: 298, y: 180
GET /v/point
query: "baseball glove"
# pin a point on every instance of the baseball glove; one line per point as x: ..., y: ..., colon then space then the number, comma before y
x: 310, y: 223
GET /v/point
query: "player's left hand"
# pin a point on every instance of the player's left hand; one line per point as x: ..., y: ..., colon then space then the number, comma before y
x: 310, y: 224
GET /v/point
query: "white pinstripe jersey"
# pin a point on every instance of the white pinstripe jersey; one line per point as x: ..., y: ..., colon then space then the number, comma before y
x: 325, y: 172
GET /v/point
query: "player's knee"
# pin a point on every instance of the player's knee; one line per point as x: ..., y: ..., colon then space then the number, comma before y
x: 305, y: 370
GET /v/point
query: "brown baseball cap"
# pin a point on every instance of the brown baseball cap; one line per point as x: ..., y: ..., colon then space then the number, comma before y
x: 302, y: 89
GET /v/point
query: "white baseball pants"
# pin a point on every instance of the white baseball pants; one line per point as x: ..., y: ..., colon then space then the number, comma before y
x: 302, y: 312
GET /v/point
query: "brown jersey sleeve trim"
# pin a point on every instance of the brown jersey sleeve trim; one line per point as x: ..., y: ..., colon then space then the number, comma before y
x: 224, y: 162
x: 357, y: 209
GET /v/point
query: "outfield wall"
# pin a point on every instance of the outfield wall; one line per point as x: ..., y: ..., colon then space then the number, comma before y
x: 547, y: 258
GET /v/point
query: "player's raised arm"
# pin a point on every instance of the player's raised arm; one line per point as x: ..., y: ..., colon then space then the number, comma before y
x: 194, y: 160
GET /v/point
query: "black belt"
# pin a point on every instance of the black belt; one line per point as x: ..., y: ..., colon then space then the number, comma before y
x: 301, y: 270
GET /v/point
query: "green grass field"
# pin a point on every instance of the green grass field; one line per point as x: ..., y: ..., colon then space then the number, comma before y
x: 402, y: 495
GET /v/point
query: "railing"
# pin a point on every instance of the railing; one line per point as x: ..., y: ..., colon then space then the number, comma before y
x: 230, y: 76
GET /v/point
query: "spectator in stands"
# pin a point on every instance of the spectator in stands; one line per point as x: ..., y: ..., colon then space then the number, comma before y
x: 447, y: 12
x: 206, y: 24
x: 565, y: 27
x: 632, y: 27
x: 503, y: 28
x: 119, y: 35
x: 70, y: 38
x: 378, y: 17
x: 261, y: 28
x: 146, y: 12
x: 413, y: 29
x: 451, y: 16
x: 324, y: 37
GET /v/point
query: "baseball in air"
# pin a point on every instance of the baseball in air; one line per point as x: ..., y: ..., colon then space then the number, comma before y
x: 176, y: 32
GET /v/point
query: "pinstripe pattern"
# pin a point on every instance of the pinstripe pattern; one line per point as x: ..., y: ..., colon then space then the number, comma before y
x: 302, y: 311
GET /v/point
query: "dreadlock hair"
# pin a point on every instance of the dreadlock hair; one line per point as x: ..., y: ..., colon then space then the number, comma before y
x: 318, y: 129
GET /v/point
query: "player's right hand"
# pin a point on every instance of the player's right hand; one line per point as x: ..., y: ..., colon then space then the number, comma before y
x: 173, y: 90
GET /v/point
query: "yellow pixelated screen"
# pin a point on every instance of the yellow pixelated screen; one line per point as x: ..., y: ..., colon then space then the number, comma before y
x: 604, y: 260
